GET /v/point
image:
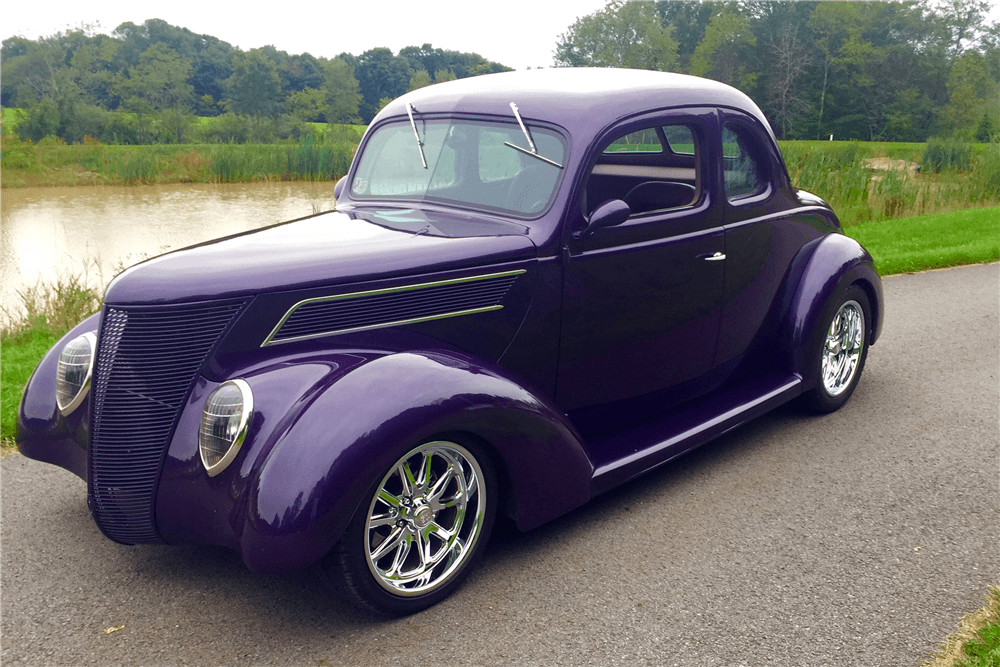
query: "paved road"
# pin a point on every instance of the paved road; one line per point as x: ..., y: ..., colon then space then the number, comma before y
x: 858, y: 538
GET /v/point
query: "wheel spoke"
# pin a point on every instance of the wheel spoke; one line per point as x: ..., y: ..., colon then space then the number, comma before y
x: 425, y: 472
x: 406, y: 477
x: 389, y: 499
x: 440, y: 531
x: 401, y: 553
x: 391, y: 542
x: 439, y: 487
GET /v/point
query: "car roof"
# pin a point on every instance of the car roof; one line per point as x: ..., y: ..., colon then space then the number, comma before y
x: 583, y: 100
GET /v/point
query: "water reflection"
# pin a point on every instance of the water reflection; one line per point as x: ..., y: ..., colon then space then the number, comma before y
x: 53, y: 233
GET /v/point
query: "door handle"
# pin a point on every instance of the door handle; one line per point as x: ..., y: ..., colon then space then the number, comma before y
x: 716, y: 257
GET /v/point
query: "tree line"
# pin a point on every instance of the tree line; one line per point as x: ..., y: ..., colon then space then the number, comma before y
x: 72, y: 83
x: 891, y: 71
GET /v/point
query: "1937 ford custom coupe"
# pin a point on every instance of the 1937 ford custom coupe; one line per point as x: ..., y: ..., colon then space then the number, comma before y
x: 536, y: 286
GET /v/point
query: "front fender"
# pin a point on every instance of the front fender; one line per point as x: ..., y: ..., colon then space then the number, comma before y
x: 42, y: 433
x: 306, y: 490
x: 823, y: 271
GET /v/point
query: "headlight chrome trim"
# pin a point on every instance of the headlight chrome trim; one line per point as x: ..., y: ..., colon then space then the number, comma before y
x: 239, y: 434
x: 67, y: 407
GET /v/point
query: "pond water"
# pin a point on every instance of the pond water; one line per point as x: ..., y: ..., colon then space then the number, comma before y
x: 49, y: 234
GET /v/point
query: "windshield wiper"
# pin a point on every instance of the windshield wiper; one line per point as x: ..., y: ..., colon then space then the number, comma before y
x: 533, y: 152
x: 420, y: 144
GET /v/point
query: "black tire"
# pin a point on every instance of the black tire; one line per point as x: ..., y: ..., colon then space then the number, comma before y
x: 842, y: 351
x: 407, y: 549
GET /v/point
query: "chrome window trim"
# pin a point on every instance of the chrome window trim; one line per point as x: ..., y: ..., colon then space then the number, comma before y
x: 68, y: 409
x: 269, y: 340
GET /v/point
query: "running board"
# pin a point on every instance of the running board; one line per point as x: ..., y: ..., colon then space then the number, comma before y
x: 636, y: 449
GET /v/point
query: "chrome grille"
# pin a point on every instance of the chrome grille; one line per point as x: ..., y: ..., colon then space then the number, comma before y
x: 147, y: 360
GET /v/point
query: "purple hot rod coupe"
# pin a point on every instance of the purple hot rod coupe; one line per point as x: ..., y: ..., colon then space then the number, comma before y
x: 536, y: 286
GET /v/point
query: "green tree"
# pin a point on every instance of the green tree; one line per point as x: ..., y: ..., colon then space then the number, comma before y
x: 254, y: 88
x: 307, y: 105
x: 419, y: 79
x: 94, y: 71
x: 974, y: 94
x: 722, y: 52
x: 623, y: 34
x: 343, y: 96
x: 442, y: 75
x: 380, y: 75
x: 159, y: 79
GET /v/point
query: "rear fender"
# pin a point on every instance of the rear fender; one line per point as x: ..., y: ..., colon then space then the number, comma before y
x: 823, y: 271
x: 309, y: 485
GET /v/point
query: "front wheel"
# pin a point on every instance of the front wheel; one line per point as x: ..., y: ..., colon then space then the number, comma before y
x: 842, y: 352
x: 419, y: 531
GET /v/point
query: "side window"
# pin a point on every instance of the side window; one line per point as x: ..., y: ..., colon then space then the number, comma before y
x: 643, y: 141
x: 744, y: 174
x: 651, y: 169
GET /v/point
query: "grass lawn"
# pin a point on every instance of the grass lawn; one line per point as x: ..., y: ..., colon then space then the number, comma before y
x: 18, y: 357
x: 971, y: 236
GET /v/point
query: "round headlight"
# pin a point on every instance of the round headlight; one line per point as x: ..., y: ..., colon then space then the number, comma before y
x: 76, y: 361
x: 224, y: 425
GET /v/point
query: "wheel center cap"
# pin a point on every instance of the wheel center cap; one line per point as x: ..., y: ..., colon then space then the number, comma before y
x: 423, y: 516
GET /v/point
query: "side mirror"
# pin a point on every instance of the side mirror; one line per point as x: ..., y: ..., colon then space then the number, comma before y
x: 610, y: 213
x: 339, y: 187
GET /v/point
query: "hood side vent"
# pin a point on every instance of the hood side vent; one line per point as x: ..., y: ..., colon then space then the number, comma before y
x: 395, y: 306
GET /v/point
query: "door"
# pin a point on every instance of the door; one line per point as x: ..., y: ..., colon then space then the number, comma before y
x: 641, y: 300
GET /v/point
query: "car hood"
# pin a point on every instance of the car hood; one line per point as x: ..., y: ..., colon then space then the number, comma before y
x: 326, y: 249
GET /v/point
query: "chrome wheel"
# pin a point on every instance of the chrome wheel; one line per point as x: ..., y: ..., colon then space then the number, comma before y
x: 841, y: 356
x: 425, y: 518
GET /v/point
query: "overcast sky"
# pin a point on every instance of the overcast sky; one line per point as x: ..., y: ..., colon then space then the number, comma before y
x: 516, y: 33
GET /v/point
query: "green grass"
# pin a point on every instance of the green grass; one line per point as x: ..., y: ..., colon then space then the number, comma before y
x: 935, y: 241
x: 11, y: 118
x: 18, y: 360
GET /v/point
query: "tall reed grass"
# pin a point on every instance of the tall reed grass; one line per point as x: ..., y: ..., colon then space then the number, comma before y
x: 302, y: 162
x: 863, y: 185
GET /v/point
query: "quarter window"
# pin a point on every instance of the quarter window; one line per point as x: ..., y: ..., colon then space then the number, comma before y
x: 744, y: 175
x: 679, y: 138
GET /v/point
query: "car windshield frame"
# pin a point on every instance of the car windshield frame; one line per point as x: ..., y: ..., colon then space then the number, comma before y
x: 468, y: 164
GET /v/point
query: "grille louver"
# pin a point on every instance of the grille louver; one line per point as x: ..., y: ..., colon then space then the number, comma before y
x: 376, y: 309
x: 147, y: 360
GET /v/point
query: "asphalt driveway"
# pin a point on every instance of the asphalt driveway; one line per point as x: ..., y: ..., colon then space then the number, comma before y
x: 857, y: 538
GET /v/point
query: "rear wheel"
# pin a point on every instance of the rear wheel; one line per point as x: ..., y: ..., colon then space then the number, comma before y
x: 842, y: 352
x: 420, y: 530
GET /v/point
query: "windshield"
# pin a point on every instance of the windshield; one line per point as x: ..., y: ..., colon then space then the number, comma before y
x: 468, y: 164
